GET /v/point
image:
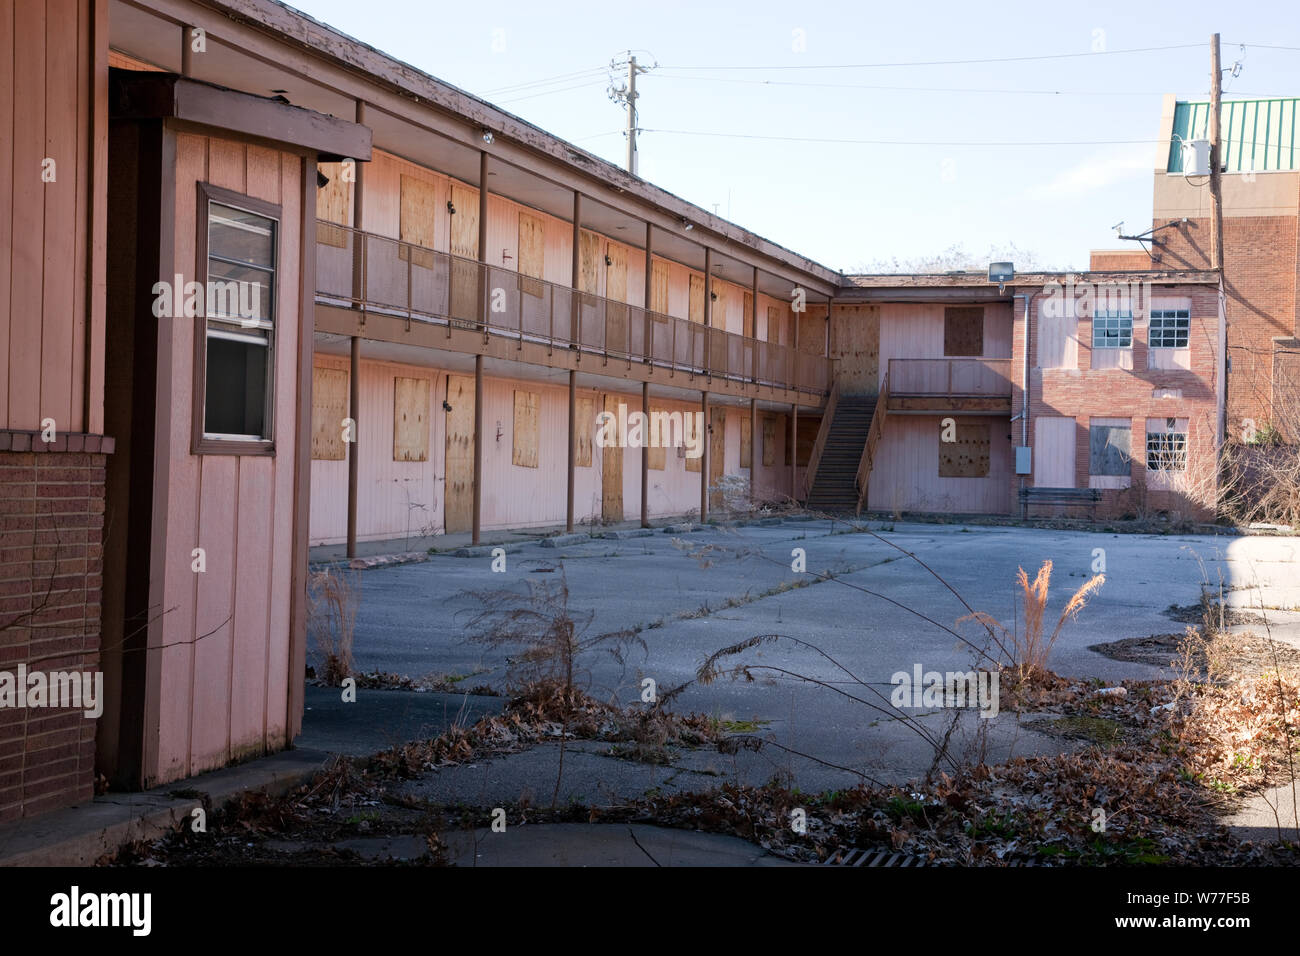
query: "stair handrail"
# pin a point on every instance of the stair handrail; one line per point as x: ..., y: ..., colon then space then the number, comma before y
x: 873, y: 438
x: 814, y: 459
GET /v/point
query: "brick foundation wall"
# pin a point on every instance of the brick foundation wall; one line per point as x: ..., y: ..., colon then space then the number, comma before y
x: 51, y: 541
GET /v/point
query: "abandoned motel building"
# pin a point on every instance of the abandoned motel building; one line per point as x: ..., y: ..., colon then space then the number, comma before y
x: 446, y: 300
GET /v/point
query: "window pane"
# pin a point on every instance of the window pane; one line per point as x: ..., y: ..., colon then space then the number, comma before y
x: 1109, y: 450
x: 238, y: 292
x: 235, y: 400
x: 242, y: 236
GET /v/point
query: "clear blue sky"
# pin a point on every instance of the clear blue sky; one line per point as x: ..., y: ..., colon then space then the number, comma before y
x: 850, y: 204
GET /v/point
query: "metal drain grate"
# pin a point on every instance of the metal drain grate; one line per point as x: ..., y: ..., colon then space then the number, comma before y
x: 856, y: 857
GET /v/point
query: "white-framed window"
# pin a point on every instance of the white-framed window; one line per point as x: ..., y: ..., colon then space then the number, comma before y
x: 1167, y: 445
x: 1169, y: 328
x: 1112, y: 329
x: 240, y: 239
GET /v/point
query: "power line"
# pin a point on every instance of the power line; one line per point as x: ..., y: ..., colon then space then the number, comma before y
x: 995, y: 59
x: 890, y: 142
x: 913, y: 89
x: 564, y: 89
x: 547, y: 81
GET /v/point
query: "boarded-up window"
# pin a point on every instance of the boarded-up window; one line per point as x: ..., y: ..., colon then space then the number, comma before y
x: 589, y: 263
x: 659, y: 287
x: 527, y: 430
x: 329, y: 406
x: 747, y: 327
x: 769, y: 440
x: 1110, y: 447
x: 696, y: 313
x: 658, y: 438
x: 418, y: 220
x: 776, y: 325
x: 746, y: 442
x: 584, y: 421
x: 1058, y: 334
x: 694, y: 440
x: 532, y: 253
x: 718, y: 314
x: 411, y: 419
x: 963, y: 331
x: 334, y: 203
x: 968, y: 456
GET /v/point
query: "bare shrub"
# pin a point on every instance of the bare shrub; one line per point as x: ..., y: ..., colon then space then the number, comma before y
x: 332, y: 601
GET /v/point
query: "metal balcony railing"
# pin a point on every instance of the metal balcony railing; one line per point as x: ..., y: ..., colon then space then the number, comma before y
x: 958, y: 377
x: 360, y: 270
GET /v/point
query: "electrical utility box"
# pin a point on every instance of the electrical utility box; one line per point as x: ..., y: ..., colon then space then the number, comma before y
x: 1024, y: 460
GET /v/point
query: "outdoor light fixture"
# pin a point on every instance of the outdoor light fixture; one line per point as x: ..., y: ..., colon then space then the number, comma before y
x: 713, y: 296
x: 688, y: 226
x: 487, y: 136
x: 450, y: 208
x: 446, y: 406
x: 1001, y: 273
x: 608, y: 260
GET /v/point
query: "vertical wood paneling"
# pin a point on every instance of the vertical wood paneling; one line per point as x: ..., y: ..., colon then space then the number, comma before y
x: 459, y: 490
x: 7, y: 86
x: 27, y: 211
x: 250, y: 636
x: 905, y: 473
x: 1054, y: 451
x: 611, y: 471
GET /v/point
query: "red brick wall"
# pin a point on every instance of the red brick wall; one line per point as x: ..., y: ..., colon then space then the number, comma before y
x: 1118, y: 260
x: 51, y: 538
x: 1260, y: 275
x: 1086, y: 393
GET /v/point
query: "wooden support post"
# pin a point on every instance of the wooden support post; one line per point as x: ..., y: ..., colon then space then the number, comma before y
x: 573, y: 446
x: 187, y: 50
x: 755, y: 455
x: 794, y: 451
x: 645, y: 455
x: 478, y: 441
x: 358, y: 223
x: 704, y: 454
x: 354, y: 458
x: 648, y: 299
x: 753, y: 331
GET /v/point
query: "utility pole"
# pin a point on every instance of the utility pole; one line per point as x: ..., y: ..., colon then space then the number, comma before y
x: 626, y: 94
x: 631, y: 115
x: 1216, y: 159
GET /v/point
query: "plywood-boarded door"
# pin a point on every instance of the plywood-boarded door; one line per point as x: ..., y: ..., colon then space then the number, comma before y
x: 459, y: 496
x: 464, y: 246
x: 616, y: 327
x: 1054, y: 449
x: 611, y: 473
x: 717, y: 453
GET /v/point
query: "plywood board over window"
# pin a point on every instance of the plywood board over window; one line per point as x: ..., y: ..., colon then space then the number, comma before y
x: 329, y: 407
x: 589, y: 262
x: 693, y: 439
x: 611, y: 472
x: 696, y: 313
x: 584, y: 421
x: 769, y: 440
x: 659, y: 287
x: 717, y: 453
x: 746, y: 442
x: 776, y: 325
x: 963, y: 331
x: 657, y: 451
x: 616, y: 330
x: 747, y: 324
x: 532, y: 253
x: 410, y: 419
x: 527, y: 429
x: 418, y: 220
x: 1058, y: 335
x: 334, y: 204
x: 968, y: 456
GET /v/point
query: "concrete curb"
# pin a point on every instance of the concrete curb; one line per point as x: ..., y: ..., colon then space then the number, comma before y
x: 78, y: 836
x: 626, y: 533
x: 485, y: 550
x: 561, y: 540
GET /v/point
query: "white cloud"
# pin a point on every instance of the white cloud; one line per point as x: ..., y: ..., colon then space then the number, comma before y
x: 1096, y: 172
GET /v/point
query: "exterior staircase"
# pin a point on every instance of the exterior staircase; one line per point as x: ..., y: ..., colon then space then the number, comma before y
x: 834, y: 489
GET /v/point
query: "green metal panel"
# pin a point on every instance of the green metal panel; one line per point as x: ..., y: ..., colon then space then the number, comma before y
x: 1258, y: 135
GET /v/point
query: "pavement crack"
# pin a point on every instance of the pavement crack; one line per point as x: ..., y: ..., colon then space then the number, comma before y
x: 632, y: 834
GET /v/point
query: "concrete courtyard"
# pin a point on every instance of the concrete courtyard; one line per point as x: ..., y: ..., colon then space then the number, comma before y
x: 690, y: 594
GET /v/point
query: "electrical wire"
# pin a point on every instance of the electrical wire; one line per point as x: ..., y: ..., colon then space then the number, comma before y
x: 908, y: 89
x: 889, y: 142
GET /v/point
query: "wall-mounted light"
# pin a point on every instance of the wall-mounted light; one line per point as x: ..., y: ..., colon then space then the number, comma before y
x: 487, y: 136
x: 446, y: 406
x: 450, y: 208
x: 608, y: 260
x: 688, y: 226
x: 713, y: 296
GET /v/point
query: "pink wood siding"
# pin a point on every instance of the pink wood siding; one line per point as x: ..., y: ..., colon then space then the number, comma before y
x: 1055, y: 441
x: 223, y: 635
x: 53, y: 107
x: 905, y: 472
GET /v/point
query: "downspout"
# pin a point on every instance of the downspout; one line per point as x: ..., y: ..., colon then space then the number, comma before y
x: 1024, y: 412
